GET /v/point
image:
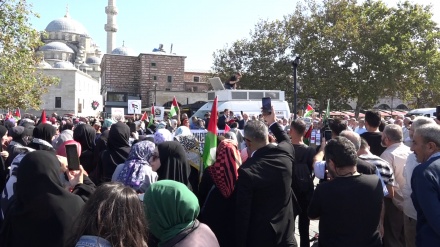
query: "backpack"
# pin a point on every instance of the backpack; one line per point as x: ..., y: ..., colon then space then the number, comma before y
x: 302, y: 175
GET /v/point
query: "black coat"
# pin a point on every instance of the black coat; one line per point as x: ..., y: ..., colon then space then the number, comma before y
x: 264, y: 208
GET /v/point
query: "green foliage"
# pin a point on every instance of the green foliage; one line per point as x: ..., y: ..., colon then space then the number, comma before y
x: 350, y: 51
x: 21, y: 84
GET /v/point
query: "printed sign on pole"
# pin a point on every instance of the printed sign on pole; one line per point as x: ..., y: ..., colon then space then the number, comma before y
x: 117, y: 111
x: 134, y: 106
x: 159, y: 112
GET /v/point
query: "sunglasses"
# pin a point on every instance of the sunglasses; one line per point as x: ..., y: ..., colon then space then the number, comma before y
x: 246, y: 139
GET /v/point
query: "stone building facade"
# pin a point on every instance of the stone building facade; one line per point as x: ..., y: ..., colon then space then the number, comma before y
x: 73, y: 95
x: 154, y: 78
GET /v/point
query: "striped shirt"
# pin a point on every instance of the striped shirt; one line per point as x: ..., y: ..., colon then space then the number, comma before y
x: 384, y: 167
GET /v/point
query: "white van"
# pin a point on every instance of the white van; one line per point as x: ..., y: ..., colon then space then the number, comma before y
x: 426, y: 112
x: 248, y: 101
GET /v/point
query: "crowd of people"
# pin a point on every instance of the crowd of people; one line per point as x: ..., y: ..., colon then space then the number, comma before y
x: 145, y: 185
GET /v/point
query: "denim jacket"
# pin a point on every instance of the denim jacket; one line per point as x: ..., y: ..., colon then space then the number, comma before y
x: 92, y: 241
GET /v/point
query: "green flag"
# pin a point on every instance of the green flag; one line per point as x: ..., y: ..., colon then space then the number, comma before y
x: 151, y: 122
x: 210, y: 147
x: 327, y: 112
x: 174, y: 107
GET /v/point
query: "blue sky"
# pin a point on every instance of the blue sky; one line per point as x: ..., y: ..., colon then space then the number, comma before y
x: 196, y: 28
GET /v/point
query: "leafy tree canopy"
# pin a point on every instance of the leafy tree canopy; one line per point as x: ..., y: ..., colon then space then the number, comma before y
x: 21, y: 84
x: 349, y: 50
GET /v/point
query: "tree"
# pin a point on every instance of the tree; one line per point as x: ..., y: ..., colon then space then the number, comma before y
x: 350, y: 51
x: 20, y: 82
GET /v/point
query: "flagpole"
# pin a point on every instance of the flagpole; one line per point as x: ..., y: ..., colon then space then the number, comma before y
x: 295, y: 64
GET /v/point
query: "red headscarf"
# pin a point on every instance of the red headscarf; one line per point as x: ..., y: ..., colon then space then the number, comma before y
x: 224, y: 171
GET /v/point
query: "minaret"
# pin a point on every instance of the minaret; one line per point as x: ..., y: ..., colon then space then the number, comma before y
x: 111, y: 28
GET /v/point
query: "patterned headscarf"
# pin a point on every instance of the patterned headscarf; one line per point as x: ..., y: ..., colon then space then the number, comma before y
x: 182, y: 130
x: 134, y: 171
x: 224, y: 171
x: 192, y: 149
x: 162, y: 135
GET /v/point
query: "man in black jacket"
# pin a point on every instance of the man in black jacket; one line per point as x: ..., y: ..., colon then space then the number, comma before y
x: 264, y: 208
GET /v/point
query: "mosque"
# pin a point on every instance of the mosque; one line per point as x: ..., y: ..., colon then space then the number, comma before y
x: 70, y: 54
x: 92, y: 83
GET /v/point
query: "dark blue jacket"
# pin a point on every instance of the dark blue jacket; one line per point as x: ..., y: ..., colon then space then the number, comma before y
x: 425, y: 183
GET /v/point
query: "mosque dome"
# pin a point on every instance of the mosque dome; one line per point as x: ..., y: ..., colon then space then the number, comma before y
x: 93, y: 60
x: 44, y: 65
x: 125, y: 51
x: 56, y: 46
x: 63, y: 65
x: 66, y: 25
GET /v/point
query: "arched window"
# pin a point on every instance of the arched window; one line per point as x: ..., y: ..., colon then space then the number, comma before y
x: 384, y: 107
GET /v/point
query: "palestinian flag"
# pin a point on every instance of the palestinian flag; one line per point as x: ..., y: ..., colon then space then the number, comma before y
x: 309, y: 111
x: 144, y: 116
x: 308, y: 135
x: 210, y: 148
x: 151, y: 117
x: 17, y: 114
x: 174, y: 107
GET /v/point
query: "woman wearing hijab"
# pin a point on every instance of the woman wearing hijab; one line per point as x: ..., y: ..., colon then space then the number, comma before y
x: 171, y: 210
x: 43, y: 136
x: 43, y: 212
x: 85, y: 135
x: 162, y: 135
x: 172, y: 163
x: 3, y: 156
x: 136, y: 171
x: 192, y: 149
x: 116, y: 153
x: 21, y: 136
x: 216, y: 189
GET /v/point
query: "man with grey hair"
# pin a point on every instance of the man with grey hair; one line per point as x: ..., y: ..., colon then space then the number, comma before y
x: 410, y: 214
x: 425, y: 183
x: 405, y: 129
x: 264, y: 197
x: 362, y: 166
x: 396, y: 154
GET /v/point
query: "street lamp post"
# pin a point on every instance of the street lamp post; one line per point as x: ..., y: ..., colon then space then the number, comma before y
x: 295, y: 64
x: 155, y: 86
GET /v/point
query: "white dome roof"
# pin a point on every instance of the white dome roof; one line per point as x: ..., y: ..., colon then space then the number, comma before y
x: 125, y: 51
x: 44, y: 65
x: 93, y: 60
x: 56, y: 46
x: 66, y: 25
x: 63, y: 65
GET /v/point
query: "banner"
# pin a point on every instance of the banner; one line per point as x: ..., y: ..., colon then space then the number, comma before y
x: 159, y: 112
x: 117, y: 111
x: 134, y: 106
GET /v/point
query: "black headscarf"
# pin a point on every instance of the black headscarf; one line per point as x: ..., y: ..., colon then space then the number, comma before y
x: 44, y: 212
x: 117, y: 152
x: 85, y: 135
x: 3, y: 167
x: 173, y: 162
x: 43, y: 132
x: 3, y: 130
x: 17, y: 134
x: 117, y: 143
